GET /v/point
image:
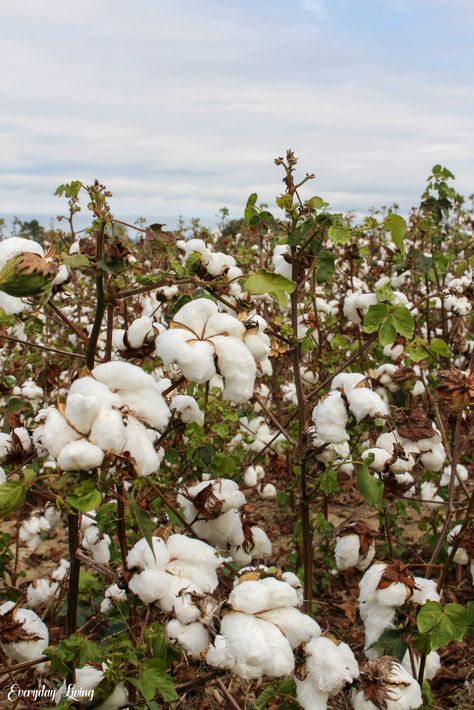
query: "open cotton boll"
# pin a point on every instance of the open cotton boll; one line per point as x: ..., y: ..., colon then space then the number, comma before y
x: 26, y: 625
x: 237, y: 366
x: 188, y: 549
x: 330, y: 664
x: 432, y: 664
x: 80, y: 455
x: 91, y: 388
x: 147, y: 404
x: 142, y: 557
x: 57, y: 433
x: 426, y: 591
x: 347, y: 553
x: 195, y: 358
x: 5, y: 445
x: 389, y: 680
x: 269, y: 491
x: 282, y: 265
x: 222, y: 532
x: 81, y: 411
x: 309, y: 697
x: 225, y: 490
x: 187, y: 409
x: 259, y: 548
x: 461, y: 556
x: 194, y: 637
x: 97, y: 544
x: 381, y: 457
x: 31, y: 529
x: 253, y: 474
x: 140, y: 448
x: 88, y: 679
x: 40, y: 592
x: 433, y: 460
x: 138, y: 331
x: 364, y: 402
x: 23, y: 438
x: 330, y: 419
x: 296, y: 626
x: 108, y: 431
x: 250, y: 597
x: 61, y: 570
x: 462, y: 475
x: 377, y: 619
x: 346, y: 381
x: 113, y: 594
x: 429, y: 495
x: 151, y: 585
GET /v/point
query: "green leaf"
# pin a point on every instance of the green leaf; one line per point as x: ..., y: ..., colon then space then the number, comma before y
x: 6, y: 320
x: 397, y: 227
x: 12, y: 496
x: 153, y: 678
x: 86, y: 497
x: 384, y: 293
x: 417, y: 350
x: 387, y: 333
x: 440, y: 348
x: 339, y: 233
x: 276, y: 285
x: 429, y: 615
x: 316, y: 202
x: 327, y: 482
x: 251, y: 212
x: 325, y: 266
x: 442, y: 624
x: 371, y: 488
x: 145, y: 524
x: 375, y: 316
x: 77, y: 261
x: 403, y: 321
x: 284, y: 202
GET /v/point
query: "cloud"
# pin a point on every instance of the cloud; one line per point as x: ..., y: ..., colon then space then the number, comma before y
x: 181, y: 107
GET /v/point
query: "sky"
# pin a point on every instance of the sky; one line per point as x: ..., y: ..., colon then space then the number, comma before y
x: 180, y: 107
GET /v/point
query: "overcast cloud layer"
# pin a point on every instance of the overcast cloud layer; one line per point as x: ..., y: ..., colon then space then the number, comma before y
x: 180, y: 107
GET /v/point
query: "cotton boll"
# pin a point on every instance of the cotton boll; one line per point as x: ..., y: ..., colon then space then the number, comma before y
x: 269, y: 491
x: 250, y: 597
x: 91, y: 388
x: 433, y: 460
x: 31, y: 529
x: 237, y: 367
x: 57, y: 433
x: 194, y: 637
x: 28, y: 623
x: 81, y: 411
x: 203, y: 577
x: 187, y: 409
x: 282, y: 594
x: 377, y: 619
x: 97, y: 544
x: 80, y: 455
x: 309, y: 697
x: 196, y: 360
x: 394, y: 595
x: 297, y: 627
x: 364, y: 402
x: 330, y: 419
x: 190, y: 550
x: 138, y: 331
x: 394, y: 683
x: 145, y: 458
x: 61, y: 570
x: 257, y: 646
x: 40, y: 592
x: 108, y: 431
x: 185, y: 609
x: 330, y: 665
x: 113, y: 594
x: 347, y: 551
x: 142, y: 557
x: 280, y: 263
x: 429, y: 495
x: 22, y: 438
x: 432, y: 664
x: 253, y: 474
x: 3, y: 476
x: 461, y: 556
x: 222, y: 532
x: 262, y: 546
x: 381, y: 457
x: 462, y: 474
x: 150, y: 585
x: 347, y: 381
x: 426, y: 591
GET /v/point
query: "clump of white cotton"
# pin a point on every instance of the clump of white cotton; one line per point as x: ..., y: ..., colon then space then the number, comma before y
x: 354, y: 546
x: 389, y: 684
x: 94, y: 541
x: 32, y: 633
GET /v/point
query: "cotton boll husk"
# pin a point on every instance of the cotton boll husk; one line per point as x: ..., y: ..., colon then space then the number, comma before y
x: 40, y: 592
x: 381, y: 456
x: 194, y: 637
x: 347, y: 551
x: 32, y: 625
x: 150, y: 585
x: 81, y: 411
x: 57, y: 433
x: 309, y: 697
x: 365, y: 402
x: 108, y: 431
x: 347, y: 381
x: 297, y: 627
x: 138, y: 444
x: 187, y: 408
x: 80, y: 455
x: 426, y: 591
x: 142, y: 557
x: 330, y: 419
x: 432, y: 664
x: 138, y: 331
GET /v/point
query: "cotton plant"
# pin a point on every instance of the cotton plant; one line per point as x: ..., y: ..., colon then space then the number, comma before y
x: 213, y: 264
x: 464, y: 554
x: 138, y: 338
x: 32, y: 528
x: 88, y: 680
x: 213, y: 509
x: 256, y: 435
x: 384, y: 684
x: 41, y: 592
x: 204, y: 342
